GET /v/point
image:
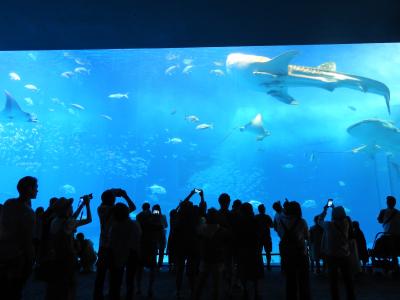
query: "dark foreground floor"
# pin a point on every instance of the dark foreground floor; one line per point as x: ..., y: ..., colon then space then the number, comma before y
x: 368, y: 287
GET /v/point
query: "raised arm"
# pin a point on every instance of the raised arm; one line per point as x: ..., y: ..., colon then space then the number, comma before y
x: 78, y: 210
x: 88, y: 218
x: 131, y: 205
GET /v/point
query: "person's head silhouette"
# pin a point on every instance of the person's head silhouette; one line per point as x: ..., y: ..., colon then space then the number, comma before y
x: 261, y: 209
x: 108, y: 198
x: 146, y: 206
x: 27, y: 187
x: 390, y: 201
x: 224, y: 200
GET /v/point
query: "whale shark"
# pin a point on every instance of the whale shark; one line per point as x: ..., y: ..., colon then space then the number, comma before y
x: 13, y: 112
x: 376, y: 135
x: 256, y: 126
x: 274, y: 76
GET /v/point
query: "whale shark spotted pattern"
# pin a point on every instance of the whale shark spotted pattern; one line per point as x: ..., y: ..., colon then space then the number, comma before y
x: 274, y: 76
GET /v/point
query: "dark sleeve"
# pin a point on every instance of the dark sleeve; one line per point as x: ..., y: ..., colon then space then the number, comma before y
x: 270, y: 223
x: 381, y: 216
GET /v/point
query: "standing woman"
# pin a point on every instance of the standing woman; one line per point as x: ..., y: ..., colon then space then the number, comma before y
x: 293, y: 231
x: 336, y: 248
x: 62, y: 282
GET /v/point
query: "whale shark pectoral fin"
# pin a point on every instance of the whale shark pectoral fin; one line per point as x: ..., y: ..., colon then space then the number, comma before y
x: 283, y: 96
x: 279, y: 64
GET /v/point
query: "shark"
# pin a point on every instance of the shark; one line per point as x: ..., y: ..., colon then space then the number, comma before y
x: 256, y: 126
x: 12, y: 111
x: 275, y: 75
x: 376, y: 135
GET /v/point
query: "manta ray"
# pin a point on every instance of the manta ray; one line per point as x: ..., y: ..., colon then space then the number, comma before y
x: 13, y: 112
x: 274, y: 76
x: 256, y: 126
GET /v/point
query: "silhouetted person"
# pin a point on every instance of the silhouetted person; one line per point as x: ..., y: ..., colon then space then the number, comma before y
x: 293, y: 231
x: 265, y: 223
x: 186, y: 240
x: 171, y: 241
x: 336, y: 248
x: 124, y: 241
x: 316, y: 233
x: 361, y: 244
x: 62, y: 280
x: 213, y: 239
x: 16, y: 235
x: 152, y: 229
x: 390, y: 220
x: 85, y: 252
x: 38, y: 232
x: 162, y: 238
x: 248, y: 251
x: 105, y: 212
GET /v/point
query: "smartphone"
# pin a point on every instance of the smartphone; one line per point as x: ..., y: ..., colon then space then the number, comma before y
x: 156, y: 212
x: 197, y: 190
x: 330, y: 202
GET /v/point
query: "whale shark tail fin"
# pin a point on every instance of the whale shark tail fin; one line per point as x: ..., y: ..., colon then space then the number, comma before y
x: 279, y: 64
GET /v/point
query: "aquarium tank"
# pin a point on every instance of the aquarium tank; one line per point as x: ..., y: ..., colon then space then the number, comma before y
x: 306, y: 123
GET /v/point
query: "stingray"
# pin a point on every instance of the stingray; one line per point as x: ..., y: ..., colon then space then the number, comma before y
x: 12, y: 111
x: 256, y: 126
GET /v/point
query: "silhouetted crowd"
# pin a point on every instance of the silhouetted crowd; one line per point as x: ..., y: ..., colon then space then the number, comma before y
x: 225, y: 245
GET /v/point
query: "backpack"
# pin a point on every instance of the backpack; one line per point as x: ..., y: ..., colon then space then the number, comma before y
x: 290, y: 246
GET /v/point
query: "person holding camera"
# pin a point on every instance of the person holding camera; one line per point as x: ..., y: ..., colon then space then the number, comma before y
x: 61, y: 282
x: 336, y: 249
x: 105, y: 213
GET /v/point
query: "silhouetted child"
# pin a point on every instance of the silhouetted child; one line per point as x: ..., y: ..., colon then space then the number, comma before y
x: 316, y: 233
x: 85, y: 252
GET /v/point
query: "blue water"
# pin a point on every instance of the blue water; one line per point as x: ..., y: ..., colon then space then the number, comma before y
x: 123, y: 142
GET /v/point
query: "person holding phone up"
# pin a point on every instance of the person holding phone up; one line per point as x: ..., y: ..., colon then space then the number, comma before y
x: 336, y: 248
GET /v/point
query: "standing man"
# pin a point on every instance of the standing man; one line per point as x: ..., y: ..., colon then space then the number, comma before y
x: 265, y: 223
x: 17, y: 222
x: 105, y: 213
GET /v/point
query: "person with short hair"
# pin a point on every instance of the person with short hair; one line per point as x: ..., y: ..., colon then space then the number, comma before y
x: 17, y: 222
x: 105, y: 213
x: 265, y: 223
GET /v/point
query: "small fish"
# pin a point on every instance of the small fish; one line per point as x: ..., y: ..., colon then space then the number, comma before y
x: 312, y: 157
x: 192, y: 118
x: 358, y: 149
x: 67, y: 74
x: 51, y: 109
x: 32, y: 56
x: 79, y: 61
x: 217, y: 72
x: 157, y: 189
x: 170, y: 70
x: 14, y: 76
x: 77, y: 106
x: 187, y: 61
x: 31, y: 87
x: 107, y: 117
x: 341, y: 183
x: 118, y: 96
x: 309, y: 204
x: 218, y: 63
x: 204, y: 126
x: 171, y: 56
x: 174, y: 141
x: 352, y: 108
x: 288, y: 166
x: 81, y: 70
x: 187, y: 69
x: 173, y: 112
x: 28, y: 101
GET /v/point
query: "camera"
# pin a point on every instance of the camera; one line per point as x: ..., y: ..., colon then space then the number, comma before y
x: 330, y: 202
x: 197, y: 190
x: 156, y: 212
x: 87, y: 197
